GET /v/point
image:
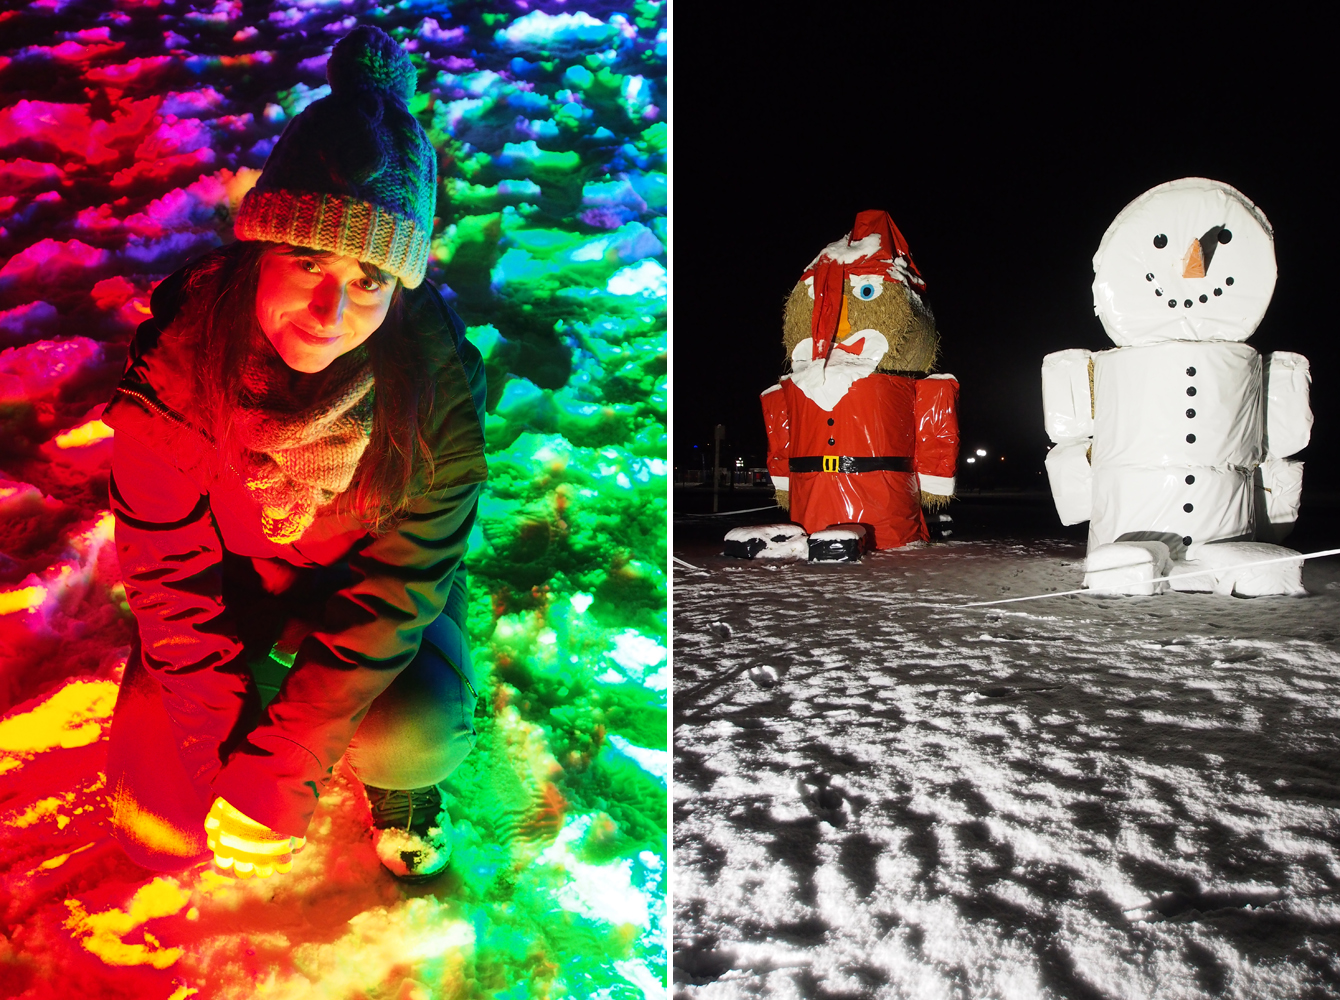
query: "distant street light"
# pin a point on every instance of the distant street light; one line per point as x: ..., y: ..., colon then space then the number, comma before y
x: 981, y: 453
x: 971, y: 460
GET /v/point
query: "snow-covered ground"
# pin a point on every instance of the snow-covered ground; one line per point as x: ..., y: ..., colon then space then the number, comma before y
x: 129, y: 132
x: 880, y: 792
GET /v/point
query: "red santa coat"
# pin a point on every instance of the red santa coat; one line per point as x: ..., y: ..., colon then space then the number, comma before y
x: 846, y: 409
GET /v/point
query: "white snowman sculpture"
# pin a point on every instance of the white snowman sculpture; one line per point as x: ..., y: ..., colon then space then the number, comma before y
x: 1174, y: 445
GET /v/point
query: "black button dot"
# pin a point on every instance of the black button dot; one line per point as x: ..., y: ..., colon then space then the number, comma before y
x: 832, y: 441
x: 1228, y: 281
x: 1190, y: 413
x: 1218, y: 291
x: 1191, y: 372
x: 1188, y: 507
x: 1191, y: 439
x: 830, y: 421
x: 1225, y: 236
x: 1205, y: 298
x: 1160, y: 241
x: 1191, y: 390
x: 1149, y: 276
x: 1158, y: 292
x: 1172, y: 303
x: 1186, y: 539
x: 1187, y: 303
x: 1190, y: 480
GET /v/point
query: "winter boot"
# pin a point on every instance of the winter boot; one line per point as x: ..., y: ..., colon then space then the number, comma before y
x: 410, y: 831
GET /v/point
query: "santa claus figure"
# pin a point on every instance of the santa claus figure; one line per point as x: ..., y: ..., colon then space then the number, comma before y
x: 859, y: 432
x: 1174, y: 445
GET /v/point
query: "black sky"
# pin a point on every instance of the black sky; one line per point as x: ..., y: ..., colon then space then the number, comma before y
x: 1003, y: 146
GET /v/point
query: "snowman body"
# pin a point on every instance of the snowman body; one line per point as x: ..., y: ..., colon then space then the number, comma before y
x: 1178, y: 438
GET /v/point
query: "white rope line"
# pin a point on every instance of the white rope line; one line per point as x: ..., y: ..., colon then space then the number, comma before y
x: 688, y: 565
x: 1161, y: 579
x: 728, y: 513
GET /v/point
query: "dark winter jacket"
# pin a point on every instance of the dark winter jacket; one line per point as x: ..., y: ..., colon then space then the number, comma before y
x: 179, y: 520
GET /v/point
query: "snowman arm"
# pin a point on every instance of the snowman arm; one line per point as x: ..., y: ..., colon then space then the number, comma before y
x: 935, y: 410
x: 1288, y: 412
x: 777, y: 422
x: 1067, y: 394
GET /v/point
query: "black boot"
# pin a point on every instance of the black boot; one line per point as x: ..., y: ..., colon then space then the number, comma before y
x: 410, y: 831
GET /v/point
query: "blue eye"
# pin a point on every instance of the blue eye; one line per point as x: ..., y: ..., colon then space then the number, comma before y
x: 866, y: 291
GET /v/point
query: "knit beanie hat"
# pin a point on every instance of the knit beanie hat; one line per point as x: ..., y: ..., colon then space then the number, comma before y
x: 353, y: 173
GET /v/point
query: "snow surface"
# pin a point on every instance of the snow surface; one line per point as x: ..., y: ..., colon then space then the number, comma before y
x: 129, y: 133
x: 881, y: 793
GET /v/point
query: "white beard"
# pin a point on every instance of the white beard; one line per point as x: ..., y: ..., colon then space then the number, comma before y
x: 826, y: 384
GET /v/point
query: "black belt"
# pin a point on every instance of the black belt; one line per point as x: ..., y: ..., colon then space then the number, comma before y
x: 848, y: 463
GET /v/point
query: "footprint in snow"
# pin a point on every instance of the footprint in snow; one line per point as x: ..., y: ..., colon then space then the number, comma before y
x: 764, y: 676
x: 823, y: 800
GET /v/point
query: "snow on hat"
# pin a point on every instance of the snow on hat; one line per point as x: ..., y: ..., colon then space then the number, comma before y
x: 874, y: 246
x: 353, y: 173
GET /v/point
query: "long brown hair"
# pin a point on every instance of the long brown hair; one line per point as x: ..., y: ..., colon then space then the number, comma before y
x: 219, y: 318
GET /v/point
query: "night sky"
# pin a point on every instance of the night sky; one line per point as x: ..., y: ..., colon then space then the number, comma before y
x: 1003, y: 148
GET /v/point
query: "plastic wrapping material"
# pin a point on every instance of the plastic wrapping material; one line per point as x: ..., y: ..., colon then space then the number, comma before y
x: 1288, y: 410
x: 783, y: 542
x: 1150, y: 409
x: 1282, y: 482
x: 1071, y: 479
x: 843, y: 544
x: 1131, y: 499
x: 1173, y: 245
x: 911, y: 424
x: 1067, y: 404
x: 1229, y: 574
x: 1128, y: 568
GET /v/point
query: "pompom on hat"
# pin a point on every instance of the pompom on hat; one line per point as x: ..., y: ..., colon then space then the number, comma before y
x: 354, y: 173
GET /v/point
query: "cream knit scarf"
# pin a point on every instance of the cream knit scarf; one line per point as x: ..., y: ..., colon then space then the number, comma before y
x: 302, y: 436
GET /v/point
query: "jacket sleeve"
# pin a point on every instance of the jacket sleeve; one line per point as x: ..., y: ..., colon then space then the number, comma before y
x: 936, y: 412
x: 170, y: 555
x: 402, y: 580
x: 778, y: 424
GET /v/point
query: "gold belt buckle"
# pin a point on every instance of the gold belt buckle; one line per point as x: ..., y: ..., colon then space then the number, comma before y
x: 830, y: 463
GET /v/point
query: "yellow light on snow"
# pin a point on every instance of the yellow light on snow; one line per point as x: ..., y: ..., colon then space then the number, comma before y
x: 23, y: 599
x: 84, y: 435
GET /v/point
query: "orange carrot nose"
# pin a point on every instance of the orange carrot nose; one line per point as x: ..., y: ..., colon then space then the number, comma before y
x: 1193, y: 264
x: 844, y: 327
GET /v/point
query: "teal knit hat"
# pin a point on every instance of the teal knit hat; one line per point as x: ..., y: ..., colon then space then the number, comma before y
x: 353, y: 173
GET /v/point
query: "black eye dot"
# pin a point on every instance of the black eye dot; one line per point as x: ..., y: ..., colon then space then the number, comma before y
x: 1186, y: 539
x: 1160, y: 241
x: 1225, y: 236
x: 1187, y: 303
x: 1158, y: 292
x: 1172, y: 303
x: 1149, y: 276
x: 1218, y: 291
x: 1190, y: 413
x: 1191, y: 390
x: 1188, y: 507
x: 1205, y: 298
x: 1191, y: 439
x: 1190, y: 480
x: 1228, y: 281
x: 1191, y: 372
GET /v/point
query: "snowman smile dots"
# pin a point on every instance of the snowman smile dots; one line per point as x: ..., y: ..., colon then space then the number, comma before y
x: 1159, y: 500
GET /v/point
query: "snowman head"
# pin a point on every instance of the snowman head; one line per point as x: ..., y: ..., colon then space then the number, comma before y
x: 1192, y: 259
x: 864, y: 283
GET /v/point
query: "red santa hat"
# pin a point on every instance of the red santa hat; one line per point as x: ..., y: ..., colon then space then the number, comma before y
x: 874, y: 246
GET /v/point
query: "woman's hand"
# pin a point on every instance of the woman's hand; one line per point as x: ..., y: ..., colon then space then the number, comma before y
x: 246, y: 847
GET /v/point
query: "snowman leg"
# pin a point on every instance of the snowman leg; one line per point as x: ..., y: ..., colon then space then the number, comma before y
x: 1233, y: 568
x: 1127, y: 568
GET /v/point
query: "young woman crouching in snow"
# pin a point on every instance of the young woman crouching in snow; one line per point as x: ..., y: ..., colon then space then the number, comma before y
x: 298, y: 459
